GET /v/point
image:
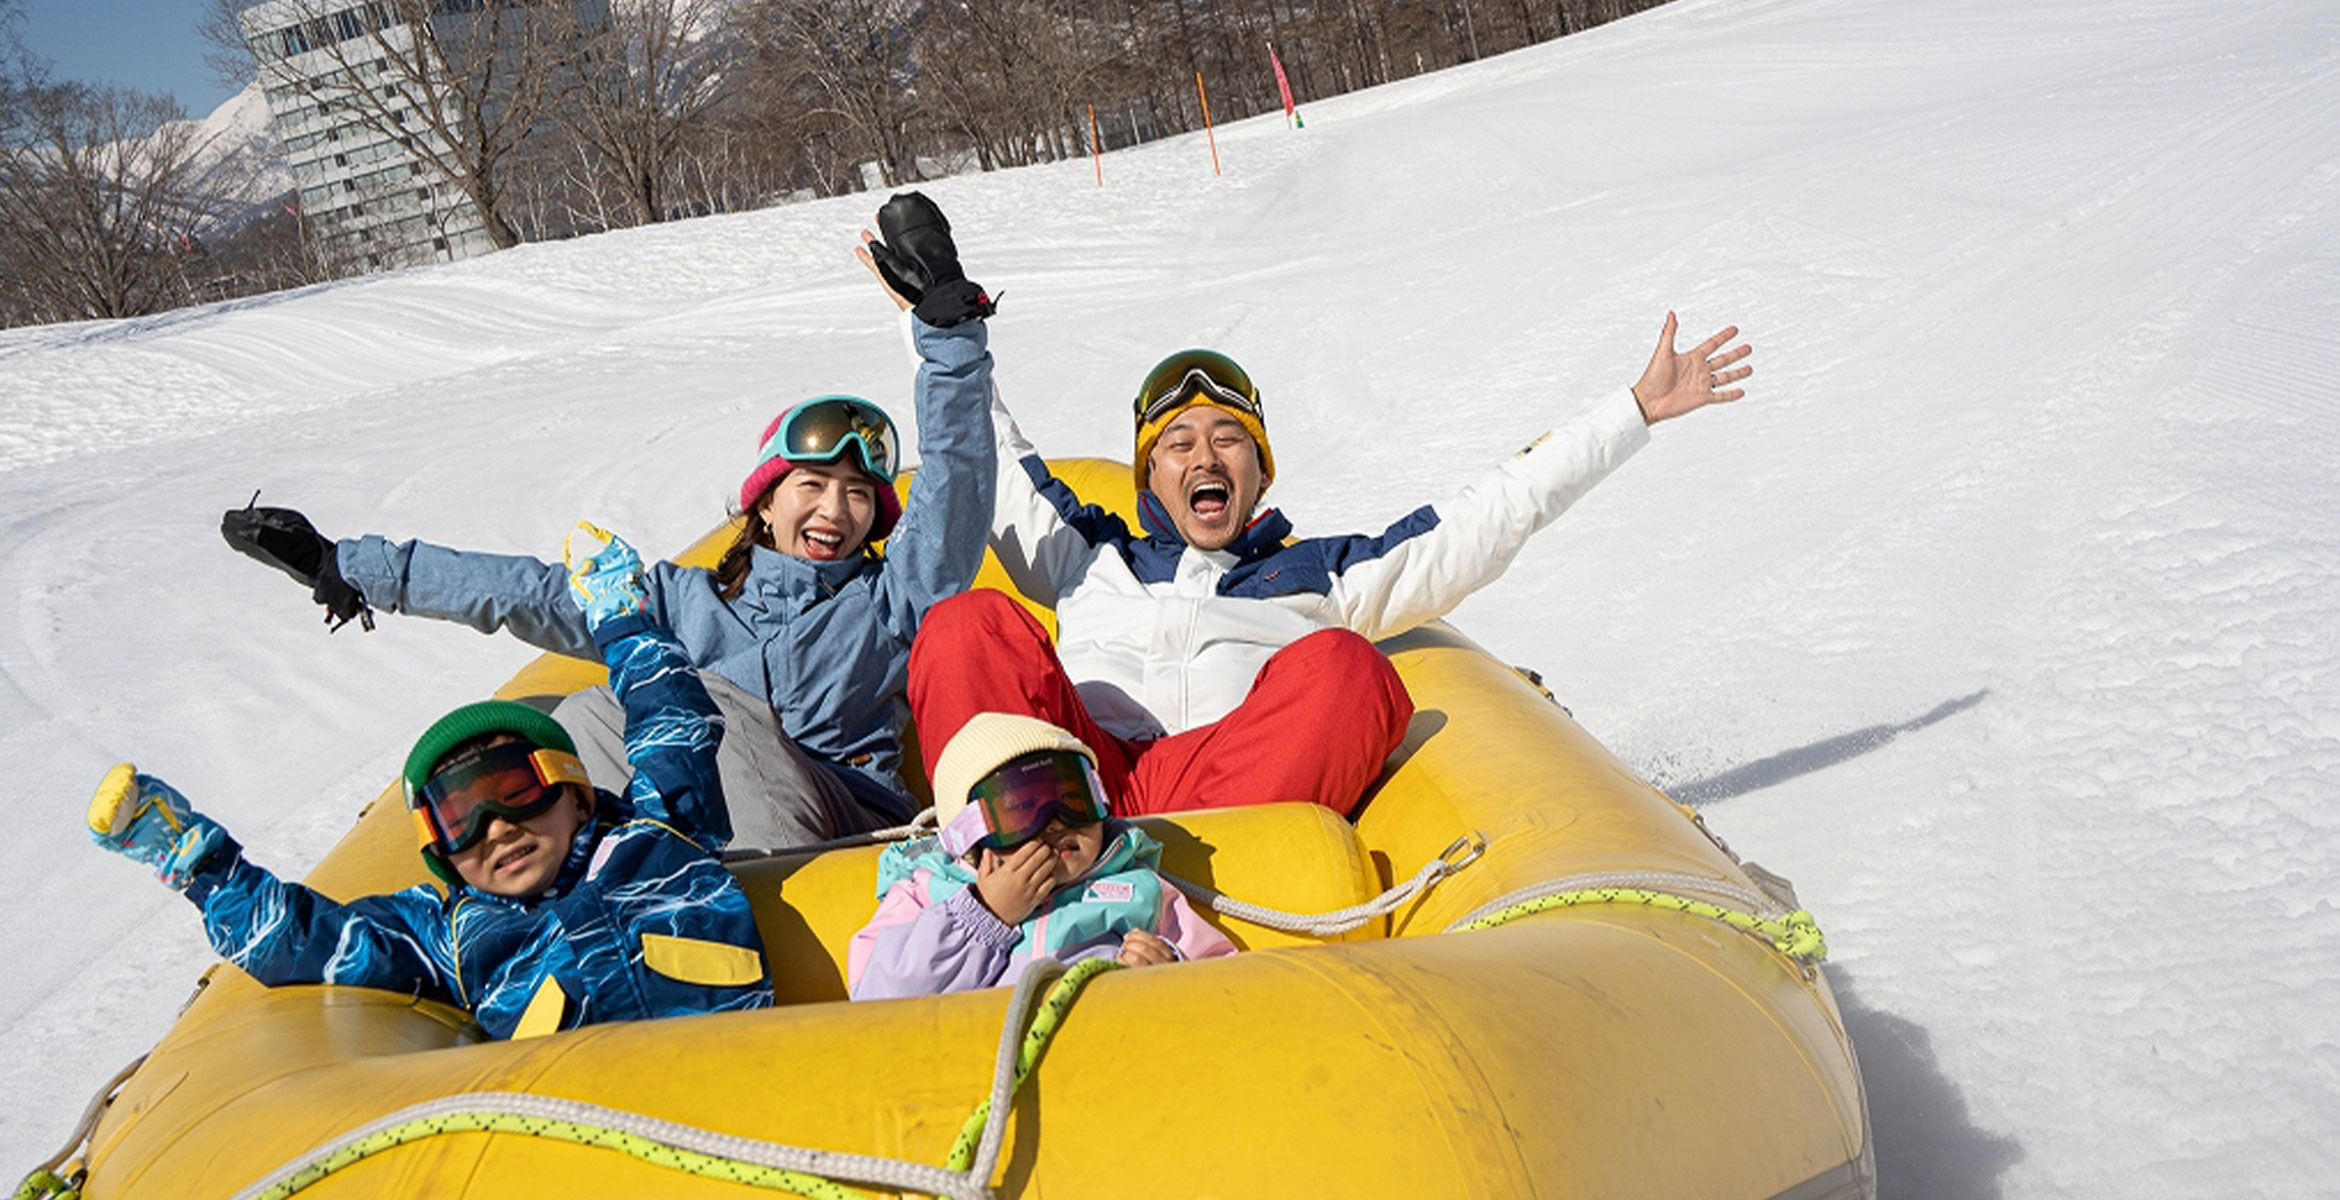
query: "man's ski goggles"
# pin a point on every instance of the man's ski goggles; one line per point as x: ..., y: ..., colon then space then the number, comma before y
x: 822, y: 430
x: 1018, y: 800
x: 514, y: 781
x: 1191, y: 374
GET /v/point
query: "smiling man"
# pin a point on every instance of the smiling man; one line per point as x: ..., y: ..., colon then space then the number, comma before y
x: 1209, y: 659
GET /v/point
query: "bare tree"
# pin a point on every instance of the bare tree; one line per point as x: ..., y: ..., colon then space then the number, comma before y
x: 644, y: 81
x: 101, y: 197
x: 849, y: 60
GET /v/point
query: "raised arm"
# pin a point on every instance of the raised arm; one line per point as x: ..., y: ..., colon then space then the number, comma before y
x: 285, y: 933
x: 672, y: 726
x: 279, y: 932
x: 1427, y: 563
x: 936, y: 549
x: 488, y: 592
x: 1040, y: 531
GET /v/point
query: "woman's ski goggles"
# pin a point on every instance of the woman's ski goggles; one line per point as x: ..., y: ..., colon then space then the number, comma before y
x: 1190, y: 374
x: 1017, y: 801
x: 822, y: 430
x: 514, y: 781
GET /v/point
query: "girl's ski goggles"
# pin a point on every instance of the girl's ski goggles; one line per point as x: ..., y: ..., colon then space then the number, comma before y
x: 824, y: 429
x: 514, y: 781
x: 1191, y: 374
x: 1014, y: 803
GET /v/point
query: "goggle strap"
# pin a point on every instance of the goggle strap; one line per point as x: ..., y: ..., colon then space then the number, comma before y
x: 559, y: 766
x: 426, y: 830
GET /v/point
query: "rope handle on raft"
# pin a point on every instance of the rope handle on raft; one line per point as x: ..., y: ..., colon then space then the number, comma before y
x: 44, y: 1182
x: 814, y: 1174
x: 1462, y: 852
x: 1792, y: 932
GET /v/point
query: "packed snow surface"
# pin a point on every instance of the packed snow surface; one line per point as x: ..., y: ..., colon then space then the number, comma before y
x: 2003, y: 615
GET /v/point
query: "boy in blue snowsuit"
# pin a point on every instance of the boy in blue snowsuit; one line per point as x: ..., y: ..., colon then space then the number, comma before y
x: 566, y: 906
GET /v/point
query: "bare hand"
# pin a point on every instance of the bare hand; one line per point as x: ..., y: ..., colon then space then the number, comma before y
x: 862, y: 252
x: 1011, y: 885
x: 1142, y: 949
x: 1674, y: 384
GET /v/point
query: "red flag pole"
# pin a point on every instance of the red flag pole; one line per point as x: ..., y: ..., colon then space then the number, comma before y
x: 1213, y: 134
x: 1096, y: 147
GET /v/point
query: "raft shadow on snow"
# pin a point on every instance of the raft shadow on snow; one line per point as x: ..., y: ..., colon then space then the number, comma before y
x: 1928, y: 1147
x: 1803, y: 760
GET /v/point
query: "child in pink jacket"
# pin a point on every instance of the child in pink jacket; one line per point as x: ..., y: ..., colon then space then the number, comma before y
x: 1027, y: 864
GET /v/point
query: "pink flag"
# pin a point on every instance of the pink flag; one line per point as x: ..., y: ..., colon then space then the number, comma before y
x: 1283, y: 85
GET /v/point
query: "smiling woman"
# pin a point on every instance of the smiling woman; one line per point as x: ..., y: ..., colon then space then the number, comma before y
x: 804, y: 626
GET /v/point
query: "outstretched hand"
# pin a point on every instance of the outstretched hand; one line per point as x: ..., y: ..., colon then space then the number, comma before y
x: 1675, y: 383
x: 605, y: 574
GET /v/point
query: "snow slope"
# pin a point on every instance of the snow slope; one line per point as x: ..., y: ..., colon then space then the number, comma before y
x: 2004, y: 615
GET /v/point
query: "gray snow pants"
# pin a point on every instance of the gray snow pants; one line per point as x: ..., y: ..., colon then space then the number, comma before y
x: 777, y: 794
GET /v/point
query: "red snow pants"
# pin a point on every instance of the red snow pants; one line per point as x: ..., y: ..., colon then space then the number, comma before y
x: 1319, y: 720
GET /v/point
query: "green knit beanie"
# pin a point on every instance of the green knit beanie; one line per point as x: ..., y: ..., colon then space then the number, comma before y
x: 473, y: 720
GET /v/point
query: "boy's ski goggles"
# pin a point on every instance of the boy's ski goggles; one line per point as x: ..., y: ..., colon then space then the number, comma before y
x: 514, y: 781
x: 1014, y: 803
x: 1191, y: 374
x: 823, y: 430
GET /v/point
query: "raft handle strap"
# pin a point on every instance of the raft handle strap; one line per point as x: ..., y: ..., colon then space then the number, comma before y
x: 815, y: 1174
x: 43, y: 1181
x: 1464, y: 851
x: 1792, y: 932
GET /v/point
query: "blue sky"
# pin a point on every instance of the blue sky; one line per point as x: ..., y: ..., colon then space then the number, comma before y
x: 150, y: 45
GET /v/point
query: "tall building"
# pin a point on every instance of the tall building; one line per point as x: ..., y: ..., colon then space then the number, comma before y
x: 339, y: 107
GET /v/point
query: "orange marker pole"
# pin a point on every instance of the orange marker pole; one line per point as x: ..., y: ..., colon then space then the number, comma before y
x: 1209, y: 132
x: 1096, y: 146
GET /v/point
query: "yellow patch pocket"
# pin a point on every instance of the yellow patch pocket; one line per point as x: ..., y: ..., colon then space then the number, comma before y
x: 544, y: 1012
x: 708, y: 964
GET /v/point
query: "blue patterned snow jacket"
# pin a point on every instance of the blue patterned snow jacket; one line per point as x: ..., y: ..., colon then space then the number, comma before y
x: 828, y: 644
x: 643, y: 920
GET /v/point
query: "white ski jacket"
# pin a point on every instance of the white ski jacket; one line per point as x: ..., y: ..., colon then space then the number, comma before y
x: 1160, y: 637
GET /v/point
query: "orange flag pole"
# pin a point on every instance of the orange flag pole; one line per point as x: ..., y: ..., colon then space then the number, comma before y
x: 1213, y: 134
x: 1096, y: 147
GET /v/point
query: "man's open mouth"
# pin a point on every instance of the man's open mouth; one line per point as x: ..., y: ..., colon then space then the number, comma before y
x: 1208, y: 499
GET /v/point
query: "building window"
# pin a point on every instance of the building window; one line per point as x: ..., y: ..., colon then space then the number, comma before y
x: 341, y: 160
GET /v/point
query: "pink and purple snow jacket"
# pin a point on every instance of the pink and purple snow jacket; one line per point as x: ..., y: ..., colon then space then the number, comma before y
x: 931, y: 935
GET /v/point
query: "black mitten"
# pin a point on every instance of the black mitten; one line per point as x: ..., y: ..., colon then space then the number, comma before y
x: 279, y: 537
x: 283, y: 538
x: 919, y: 261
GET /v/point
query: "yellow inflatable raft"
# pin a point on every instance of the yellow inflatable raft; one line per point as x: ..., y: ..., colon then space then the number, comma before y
x: 1631, y: 1017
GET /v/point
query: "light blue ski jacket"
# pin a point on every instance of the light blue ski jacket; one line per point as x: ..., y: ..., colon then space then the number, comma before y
x: 828, y: 644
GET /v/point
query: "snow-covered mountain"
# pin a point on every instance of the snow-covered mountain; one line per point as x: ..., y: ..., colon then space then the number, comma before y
x: 2003, y: 616
x: 240, y: 150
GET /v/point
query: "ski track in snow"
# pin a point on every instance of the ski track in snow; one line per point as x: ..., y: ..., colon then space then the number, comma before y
x: 2001, y: 616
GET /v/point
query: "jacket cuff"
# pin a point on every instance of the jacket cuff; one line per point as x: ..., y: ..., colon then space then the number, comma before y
x: 612, y: 632
x: 980, y: 923
x: 210, y: 875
